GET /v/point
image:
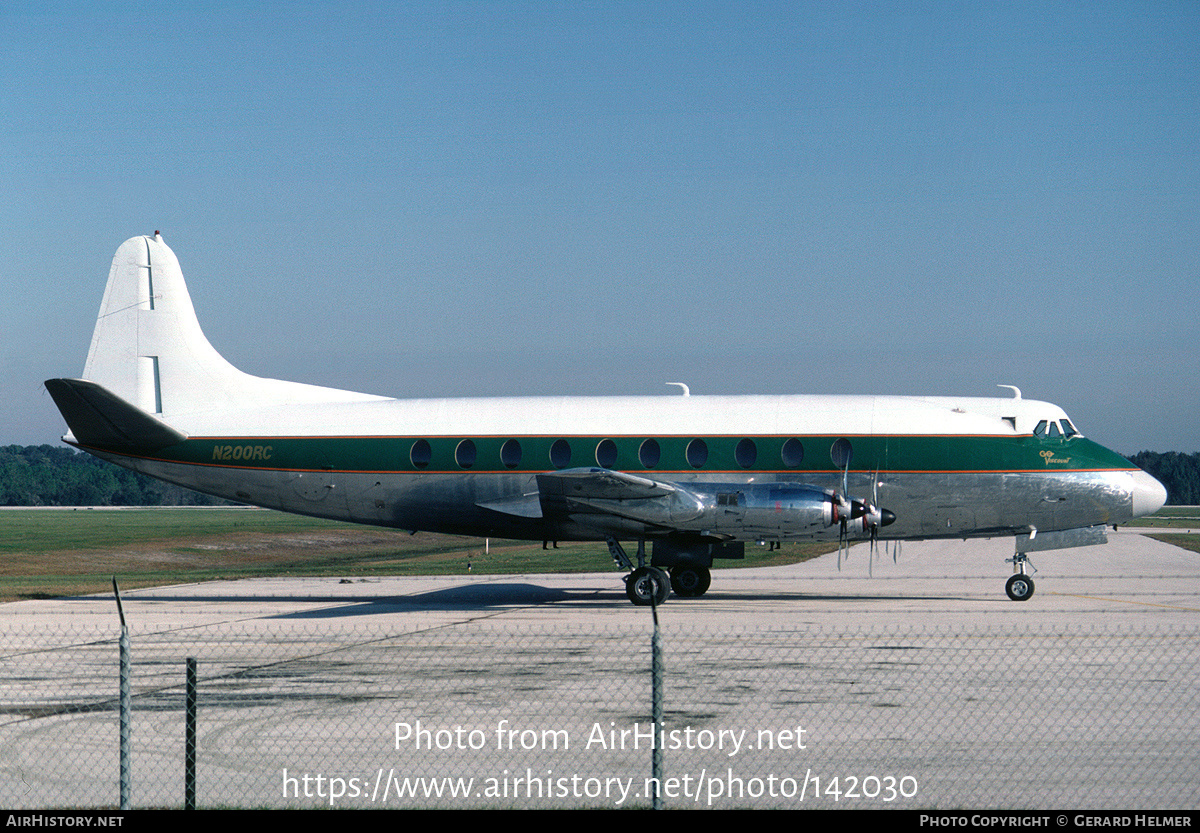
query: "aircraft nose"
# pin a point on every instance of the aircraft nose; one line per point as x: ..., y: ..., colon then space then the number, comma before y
x: 1148, y: 494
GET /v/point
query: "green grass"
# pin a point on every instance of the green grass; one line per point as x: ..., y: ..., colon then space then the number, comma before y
x: 1174, y: 517
x: 1184, y: 541
x: 1171, y: 517
x: 52, y: 553
x: 46, y: 530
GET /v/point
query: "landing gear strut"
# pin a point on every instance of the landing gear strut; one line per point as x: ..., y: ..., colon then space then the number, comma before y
x: 644, y: 585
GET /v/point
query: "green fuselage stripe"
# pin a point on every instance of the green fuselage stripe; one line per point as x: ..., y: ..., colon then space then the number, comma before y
x: 909, y: 453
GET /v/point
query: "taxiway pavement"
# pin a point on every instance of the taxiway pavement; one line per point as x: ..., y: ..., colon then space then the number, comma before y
x: 1133, y: 578
x: 1085, y: 696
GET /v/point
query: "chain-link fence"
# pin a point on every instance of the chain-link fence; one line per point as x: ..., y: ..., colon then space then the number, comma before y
x: 293, y: 715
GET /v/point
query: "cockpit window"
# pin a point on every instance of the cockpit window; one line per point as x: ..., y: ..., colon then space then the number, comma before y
x: 1049, y: 429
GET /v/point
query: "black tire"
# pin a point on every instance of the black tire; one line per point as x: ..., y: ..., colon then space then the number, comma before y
x: 1019, y: 587
x: 647, y: 584
x: 664, y: 584
x: 689, y: 582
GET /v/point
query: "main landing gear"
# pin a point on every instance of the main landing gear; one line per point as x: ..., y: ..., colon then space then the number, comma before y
x: 690, y: 581
x: 653, y: 585
x: 648, y: 585
x: 1019, y: 585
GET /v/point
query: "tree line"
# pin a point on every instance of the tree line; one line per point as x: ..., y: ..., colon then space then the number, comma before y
x: 46, y: 475
x: 1179, y: 472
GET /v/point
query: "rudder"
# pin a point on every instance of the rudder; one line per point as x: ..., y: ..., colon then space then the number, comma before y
x: 148, y: 347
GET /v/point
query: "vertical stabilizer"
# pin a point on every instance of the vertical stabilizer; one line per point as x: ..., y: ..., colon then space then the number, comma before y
x: 149, y: 350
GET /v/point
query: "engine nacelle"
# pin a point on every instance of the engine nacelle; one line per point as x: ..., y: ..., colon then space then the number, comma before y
x: 768, y: 510
x: 773, y: 511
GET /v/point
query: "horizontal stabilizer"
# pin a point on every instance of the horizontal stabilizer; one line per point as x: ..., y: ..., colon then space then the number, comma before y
x: 98, y: 417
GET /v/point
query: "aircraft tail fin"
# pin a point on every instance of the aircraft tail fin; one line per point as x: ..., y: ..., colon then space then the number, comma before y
x: 149, y: 351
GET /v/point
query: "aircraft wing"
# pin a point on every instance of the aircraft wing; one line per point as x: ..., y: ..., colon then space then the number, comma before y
x: 601, y: 492
x: 603, y: 484
x: 595, y: 491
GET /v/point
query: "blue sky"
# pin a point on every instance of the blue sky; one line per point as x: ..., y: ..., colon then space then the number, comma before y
x: 534, y: 198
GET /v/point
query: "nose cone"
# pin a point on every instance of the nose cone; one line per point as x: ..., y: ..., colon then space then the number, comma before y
x: 1148, y: 494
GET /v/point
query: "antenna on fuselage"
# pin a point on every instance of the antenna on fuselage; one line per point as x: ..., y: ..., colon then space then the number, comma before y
x: 1016, y: 390
x: 686, y: 390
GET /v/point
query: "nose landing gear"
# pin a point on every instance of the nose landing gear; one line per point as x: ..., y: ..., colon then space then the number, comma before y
x: 1019, y: 585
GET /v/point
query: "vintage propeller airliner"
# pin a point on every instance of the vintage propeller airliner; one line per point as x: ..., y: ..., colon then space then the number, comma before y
x: 696, y: 476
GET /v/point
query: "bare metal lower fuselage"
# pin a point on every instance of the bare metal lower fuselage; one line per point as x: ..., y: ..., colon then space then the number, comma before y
x: 926, y: 505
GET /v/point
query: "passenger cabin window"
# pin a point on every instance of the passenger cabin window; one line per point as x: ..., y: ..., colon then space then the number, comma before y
x: 420, y: 454
x: 745, y: 453
x: 606, y: 454
x: 510, y: 454
x: 560, y: 454
x: 649, y: 453
x: 464, y: 454
x: 792, y: 453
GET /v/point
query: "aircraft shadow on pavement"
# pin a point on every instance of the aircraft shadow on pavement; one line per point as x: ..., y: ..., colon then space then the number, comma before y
x: 483, y: 596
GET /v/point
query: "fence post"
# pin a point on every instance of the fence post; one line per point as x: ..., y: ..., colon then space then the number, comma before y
x: 124, y: 698
x: 189, y: 738
x: 656, y: 707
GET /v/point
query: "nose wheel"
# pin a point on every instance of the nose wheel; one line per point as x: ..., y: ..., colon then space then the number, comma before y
x: 1019, y: 585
